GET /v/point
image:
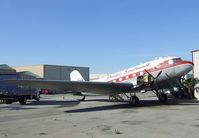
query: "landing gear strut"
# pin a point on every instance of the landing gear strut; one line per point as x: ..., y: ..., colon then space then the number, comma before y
x: 162, y: 98
x: 83, y: 99
x: 134, y: 100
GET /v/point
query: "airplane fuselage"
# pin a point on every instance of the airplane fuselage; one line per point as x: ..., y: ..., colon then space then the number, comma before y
x: 170, y: 67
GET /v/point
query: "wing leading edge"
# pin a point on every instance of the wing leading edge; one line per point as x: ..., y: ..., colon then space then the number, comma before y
x: 91, y: 87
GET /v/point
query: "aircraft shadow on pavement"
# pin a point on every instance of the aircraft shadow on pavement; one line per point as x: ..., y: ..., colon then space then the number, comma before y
x: 143, y: 103
x: 98, y: 100
x: 54, y: 102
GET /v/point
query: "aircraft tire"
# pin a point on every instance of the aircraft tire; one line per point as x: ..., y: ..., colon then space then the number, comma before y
x: 134, y: 100
x: 162, y: 98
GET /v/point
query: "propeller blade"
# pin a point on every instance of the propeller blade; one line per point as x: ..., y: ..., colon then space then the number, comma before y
x: 158, y: 74
x: 167, y: 75
x: 149, y: 74
x: 170, y: 82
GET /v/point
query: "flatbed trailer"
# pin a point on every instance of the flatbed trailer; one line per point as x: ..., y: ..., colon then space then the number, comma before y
x: 10, y: 97
x: 10, y: 93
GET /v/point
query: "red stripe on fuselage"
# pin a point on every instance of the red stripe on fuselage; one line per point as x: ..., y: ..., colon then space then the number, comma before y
x: 161, y: 66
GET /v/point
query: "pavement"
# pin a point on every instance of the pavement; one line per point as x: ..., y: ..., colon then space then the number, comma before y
x: 64, y: 116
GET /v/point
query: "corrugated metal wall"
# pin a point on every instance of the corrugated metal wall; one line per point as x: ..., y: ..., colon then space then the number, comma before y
x: 53, y: 72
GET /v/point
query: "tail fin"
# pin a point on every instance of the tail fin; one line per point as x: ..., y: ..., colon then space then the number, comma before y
x: 76, y: 76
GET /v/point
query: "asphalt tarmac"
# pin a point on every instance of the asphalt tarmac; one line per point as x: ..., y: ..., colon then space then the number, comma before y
x: 58, y: 116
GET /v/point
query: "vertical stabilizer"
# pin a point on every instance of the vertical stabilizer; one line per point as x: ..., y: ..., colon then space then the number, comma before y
x: 76, y: 76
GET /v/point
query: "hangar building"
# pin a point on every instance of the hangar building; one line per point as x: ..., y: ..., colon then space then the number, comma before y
x: 52, y: 72
x: 195, y: 58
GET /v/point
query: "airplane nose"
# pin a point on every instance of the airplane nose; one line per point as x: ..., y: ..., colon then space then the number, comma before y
x: 188, y: 66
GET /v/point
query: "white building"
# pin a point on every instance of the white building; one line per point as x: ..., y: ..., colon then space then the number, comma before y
x: 195, y: 59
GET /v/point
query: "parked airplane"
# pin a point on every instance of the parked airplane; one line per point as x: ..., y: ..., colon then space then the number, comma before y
x: 155, y: 75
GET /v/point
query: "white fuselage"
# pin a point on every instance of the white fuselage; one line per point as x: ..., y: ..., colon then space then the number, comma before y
x: 173, y: 67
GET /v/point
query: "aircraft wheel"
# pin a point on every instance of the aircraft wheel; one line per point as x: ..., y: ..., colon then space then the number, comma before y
x: 134, y: 100
x: 162, y: 98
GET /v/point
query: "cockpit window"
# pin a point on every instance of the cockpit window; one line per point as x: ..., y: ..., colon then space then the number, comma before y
x: 177, y: 59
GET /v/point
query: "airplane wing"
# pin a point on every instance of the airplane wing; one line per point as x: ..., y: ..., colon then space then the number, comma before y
x: 86, y: 86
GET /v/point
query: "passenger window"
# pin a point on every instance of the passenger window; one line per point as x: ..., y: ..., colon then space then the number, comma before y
x: 170, y: 62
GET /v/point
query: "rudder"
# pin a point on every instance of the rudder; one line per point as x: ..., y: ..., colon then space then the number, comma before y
x: 76, y: 76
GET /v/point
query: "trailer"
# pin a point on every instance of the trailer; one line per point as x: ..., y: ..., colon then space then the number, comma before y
x: 19, y: 96
x: 10, y: 93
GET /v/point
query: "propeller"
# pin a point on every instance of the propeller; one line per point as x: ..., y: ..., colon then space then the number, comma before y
x: 173, y: 81
x: 169, y: 82
x: 153, y: 76
x: 158, y: 74
x: 154, y: 81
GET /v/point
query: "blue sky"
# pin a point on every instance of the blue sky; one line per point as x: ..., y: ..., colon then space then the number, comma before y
x: 105, y: 35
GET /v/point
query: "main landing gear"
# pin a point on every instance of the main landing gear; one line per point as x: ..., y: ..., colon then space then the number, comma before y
x: 83, y: 99
x: 134, y: 100
x: 162, y: 98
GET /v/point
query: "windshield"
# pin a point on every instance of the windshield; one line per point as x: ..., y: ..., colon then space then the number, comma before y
x: 177, y: 59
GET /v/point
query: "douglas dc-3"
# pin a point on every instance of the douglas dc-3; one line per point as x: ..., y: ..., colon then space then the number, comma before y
x: 156, y: 75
